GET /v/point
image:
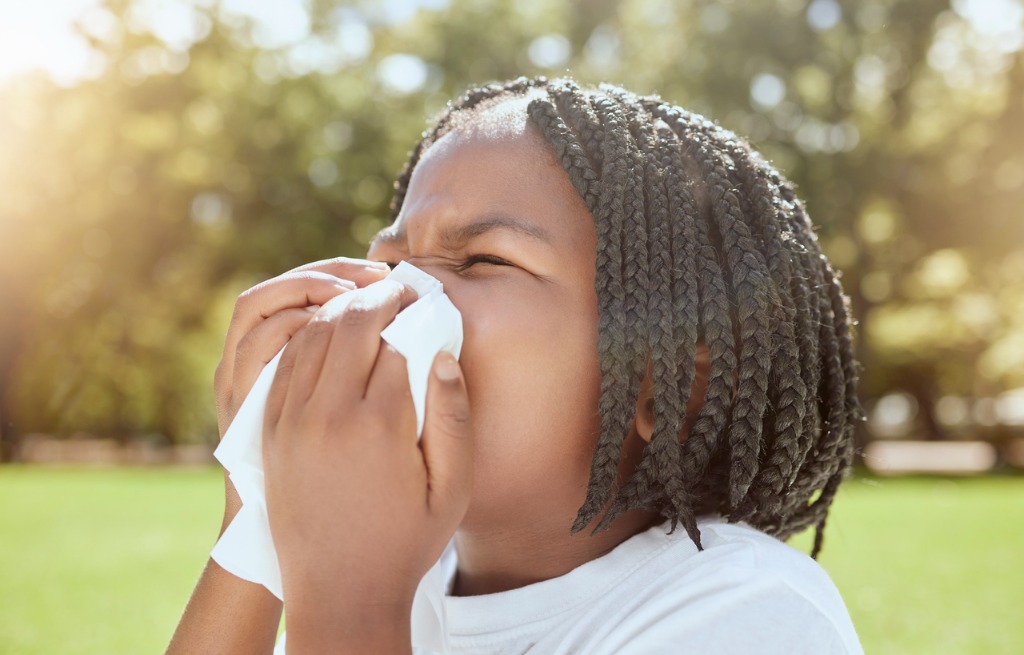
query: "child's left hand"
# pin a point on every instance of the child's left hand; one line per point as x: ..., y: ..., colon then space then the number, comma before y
x: 359, y: 511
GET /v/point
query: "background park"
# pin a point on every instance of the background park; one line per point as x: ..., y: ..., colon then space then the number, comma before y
x: 158, y: 157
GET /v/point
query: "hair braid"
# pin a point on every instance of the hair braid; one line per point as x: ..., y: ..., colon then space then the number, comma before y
x: 824, y: 467
x: 694, y: 452
x: 838, y: 465
x: 620, y: 378
x: 662, y: 482
x: 673, y: 322
x: 567, y: 148
x: 573, y: 104
x: 748, y: 277
x: 685, y: 289
x: 789, y: 395
x: 636, y: 258
x: 805, y: 285
x: 711, y: 299
x: 807, y: 345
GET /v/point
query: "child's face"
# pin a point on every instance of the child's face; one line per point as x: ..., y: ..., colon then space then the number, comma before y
x: 530, y: 351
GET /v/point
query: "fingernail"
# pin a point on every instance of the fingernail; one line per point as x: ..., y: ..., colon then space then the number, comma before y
x: 346, y: 284
x: 380, y: 266
x: 447, y: 367
x: 313, y: 309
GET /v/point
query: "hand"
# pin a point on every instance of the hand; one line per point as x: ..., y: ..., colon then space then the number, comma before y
x: 270, y: 313
x: 359, y: 510
x: 265, y: 318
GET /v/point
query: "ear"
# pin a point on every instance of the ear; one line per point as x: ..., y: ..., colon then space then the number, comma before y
x: 645, y: 402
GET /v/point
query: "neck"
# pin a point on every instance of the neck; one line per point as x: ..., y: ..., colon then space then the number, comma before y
x: 512, y: 556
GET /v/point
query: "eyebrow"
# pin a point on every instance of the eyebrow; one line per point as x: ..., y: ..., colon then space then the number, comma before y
x: 454, y: 236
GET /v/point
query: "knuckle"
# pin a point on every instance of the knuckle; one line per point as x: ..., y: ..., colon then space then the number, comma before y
x: 377, y: 416
x: 311, y: 279
x: 349, y: 265
x: 305, y: 275
x: 285, y: 368
x: 359, y: 312
x: 456, y: 417
x: 335, y: 264
x: 379, y: 422
x: 312, y: 423
x: 342, y: 261
x: 316, y: 329
x: 244, y: 347
x: 244, y: 300
x: 460, y: 418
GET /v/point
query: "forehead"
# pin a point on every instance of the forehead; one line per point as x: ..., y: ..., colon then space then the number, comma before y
x: 494, y: 162
x: 496, y: 150
x: 495, y: 119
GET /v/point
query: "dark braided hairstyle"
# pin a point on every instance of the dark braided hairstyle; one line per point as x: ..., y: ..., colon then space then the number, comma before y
x: 699, y: 241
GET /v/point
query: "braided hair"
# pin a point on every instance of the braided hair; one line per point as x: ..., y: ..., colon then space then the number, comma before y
x: 699, y: 241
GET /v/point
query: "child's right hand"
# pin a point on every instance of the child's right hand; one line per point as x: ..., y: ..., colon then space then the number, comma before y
x: 267, y: 315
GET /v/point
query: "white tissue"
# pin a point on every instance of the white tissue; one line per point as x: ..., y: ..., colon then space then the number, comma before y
x: 419, y: 332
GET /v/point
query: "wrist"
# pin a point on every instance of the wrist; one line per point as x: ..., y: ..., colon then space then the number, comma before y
x: 355, y: 628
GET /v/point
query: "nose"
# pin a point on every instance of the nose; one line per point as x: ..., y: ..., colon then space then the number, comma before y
x: 443, y: 269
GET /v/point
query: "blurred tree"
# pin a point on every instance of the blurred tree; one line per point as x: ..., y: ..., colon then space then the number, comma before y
x: 136, y: 205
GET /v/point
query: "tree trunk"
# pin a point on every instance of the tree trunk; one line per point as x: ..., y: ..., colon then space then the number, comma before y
x: 10, y: 342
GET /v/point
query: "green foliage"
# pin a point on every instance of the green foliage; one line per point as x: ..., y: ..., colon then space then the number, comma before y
x: 135, y: 206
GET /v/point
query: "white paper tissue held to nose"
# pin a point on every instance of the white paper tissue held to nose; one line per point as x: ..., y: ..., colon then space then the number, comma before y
x: 419, y: 332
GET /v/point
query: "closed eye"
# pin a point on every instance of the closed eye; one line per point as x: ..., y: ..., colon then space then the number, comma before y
x: 470, y: 261
x: 481, y: 259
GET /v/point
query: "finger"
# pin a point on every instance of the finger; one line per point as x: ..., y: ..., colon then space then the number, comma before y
x: 447, y: 438
x: 291, y: 290
x: 356, y: 339
x: 361, y: 271
x: 388, y: 390
x: 263, y: 342
x: 298, y: 370
x: 277, y: 394
x: 310, y: 284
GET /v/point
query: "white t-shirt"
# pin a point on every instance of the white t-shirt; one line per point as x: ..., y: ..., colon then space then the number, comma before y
x: 656, y: 594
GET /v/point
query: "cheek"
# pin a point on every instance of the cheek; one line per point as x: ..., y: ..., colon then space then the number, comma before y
x: 544, y: 339
x: 533, y: 374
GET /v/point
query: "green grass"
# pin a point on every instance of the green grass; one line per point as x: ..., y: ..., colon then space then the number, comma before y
x: 930, y: 565
x: 103, y: 560
x: 100, y: 561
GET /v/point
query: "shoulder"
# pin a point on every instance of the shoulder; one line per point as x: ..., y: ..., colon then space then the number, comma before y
x: 745, y: 592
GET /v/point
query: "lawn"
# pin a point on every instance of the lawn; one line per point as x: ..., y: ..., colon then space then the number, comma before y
x: 103, y: 560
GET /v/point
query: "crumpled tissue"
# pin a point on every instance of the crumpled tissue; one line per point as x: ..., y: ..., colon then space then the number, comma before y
x: 419, y: 332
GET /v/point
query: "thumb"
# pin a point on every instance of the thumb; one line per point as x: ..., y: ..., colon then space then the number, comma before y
x: 447, y: 437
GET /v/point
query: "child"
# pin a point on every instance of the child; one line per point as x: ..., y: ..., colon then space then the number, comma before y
x: 652, y: 338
